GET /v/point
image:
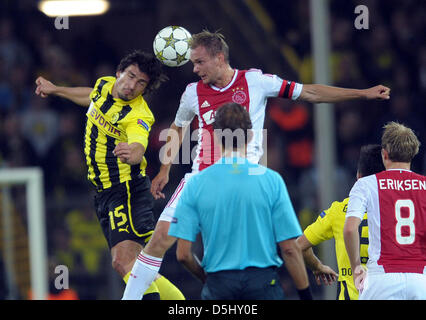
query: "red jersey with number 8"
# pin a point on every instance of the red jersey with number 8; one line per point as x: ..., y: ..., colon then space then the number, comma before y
x: 396, y: 204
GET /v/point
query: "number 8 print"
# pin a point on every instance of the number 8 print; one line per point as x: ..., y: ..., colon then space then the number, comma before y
x: 405, y: 222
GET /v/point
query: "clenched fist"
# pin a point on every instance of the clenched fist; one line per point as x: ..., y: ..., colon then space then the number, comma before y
x: 44, y: 87
x: 378, y: 92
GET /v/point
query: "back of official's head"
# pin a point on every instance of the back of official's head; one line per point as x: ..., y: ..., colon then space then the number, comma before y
x: 400, y: 142
x: 232, y: 126
x: 370, y: 160
x: 214, y: 42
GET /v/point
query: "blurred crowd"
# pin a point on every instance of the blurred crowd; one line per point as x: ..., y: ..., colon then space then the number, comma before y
x: 49, y: 132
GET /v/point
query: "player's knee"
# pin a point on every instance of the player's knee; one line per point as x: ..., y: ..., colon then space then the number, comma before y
x: 123, y: 255
x: 118, y: 265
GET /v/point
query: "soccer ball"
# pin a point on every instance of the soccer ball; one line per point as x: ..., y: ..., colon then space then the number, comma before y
x: 171, y: 46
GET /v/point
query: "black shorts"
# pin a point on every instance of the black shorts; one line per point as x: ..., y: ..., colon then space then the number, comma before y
x: 125, y: 212
x: 248, y: 284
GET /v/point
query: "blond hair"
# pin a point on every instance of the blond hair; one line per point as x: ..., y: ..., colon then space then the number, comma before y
x: 214, y: 42
x: 400, y: 142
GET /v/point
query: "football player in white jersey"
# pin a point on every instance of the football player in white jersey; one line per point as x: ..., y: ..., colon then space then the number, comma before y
x: 395, y: 200
x: 220, y: 83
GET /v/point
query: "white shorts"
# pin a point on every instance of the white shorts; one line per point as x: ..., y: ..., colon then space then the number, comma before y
x: 394, y: 286
x: 169, y: 210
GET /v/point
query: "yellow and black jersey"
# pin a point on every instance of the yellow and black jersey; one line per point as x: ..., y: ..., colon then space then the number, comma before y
x: 109, y: 122
x: 329, y: 225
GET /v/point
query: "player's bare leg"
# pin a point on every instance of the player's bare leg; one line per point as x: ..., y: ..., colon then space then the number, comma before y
x: 124, y: 255
x: 149, y: 262
x: 160, y: 241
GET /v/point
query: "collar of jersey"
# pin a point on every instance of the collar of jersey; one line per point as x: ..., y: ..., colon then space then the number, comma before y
x: 232, y: 159
x: 395, y: 169
x: 228, y: 85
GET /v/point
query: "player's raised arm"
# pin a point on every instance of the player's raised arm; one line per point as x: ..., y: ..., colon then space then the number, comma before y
x: 78, y: 95
x: 318, y: 93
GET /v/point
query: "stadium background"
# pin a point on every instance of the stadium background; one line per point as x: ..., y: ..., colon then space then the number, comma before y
x: 274, y: 37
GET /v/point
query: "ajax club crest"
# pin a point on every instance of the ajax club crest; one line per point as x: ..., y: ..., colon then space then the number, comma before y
x: 239, y: 96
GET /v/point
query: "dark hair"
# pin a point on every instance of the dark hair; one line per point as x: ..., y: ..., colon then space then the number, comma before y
x: 370, y: 160
x: 214, y: 42
x: 148, y: 64
x: 232, y: 121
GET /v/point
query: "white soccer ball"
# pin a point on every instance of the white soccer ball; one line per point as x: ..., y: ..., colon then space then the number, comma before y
x: 171, y: 46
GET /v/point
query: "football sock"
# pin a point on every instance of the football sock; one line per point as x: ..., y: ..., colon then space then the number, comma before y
x: 153, y: 291
x: 142, y: 276
x: 168, y: 291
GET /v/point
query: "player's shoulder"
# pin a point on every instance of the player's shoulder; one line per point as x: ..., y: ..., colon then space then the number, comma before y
x: 418, y: 175
x: 103, y: 85
x: 190, y: 89
x: 405, y: 173
x: 189, y: 95
x: 364, y: 186
x: 253, y: 73
x: 257, y: 72
x: 338, y: 207
x: 108, y: 78
x: 140, y: 110
x: 256, y: 76
x: 368, y: 180
x: 192, y: 85
x: 105, y: 80
x: 340, y: 204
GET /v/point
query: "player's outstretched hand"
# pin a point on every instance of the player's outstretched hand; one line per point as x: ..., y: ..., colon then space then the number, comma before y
x: 158, y: 183
x: 44, y: 87
x: 326, y: 275
x: 378, y: 92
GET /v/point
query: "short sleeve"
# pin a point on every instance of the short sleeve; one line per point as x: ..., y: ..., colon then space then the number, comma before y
x: 275, y: 86
x: 138, y: 129
x: 322, y: 229
x: 187, y: 106
x: 357, y: 205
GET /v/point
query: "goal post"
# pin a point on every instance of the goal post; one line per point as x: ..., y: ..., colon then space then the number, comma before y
x: 32, y: 178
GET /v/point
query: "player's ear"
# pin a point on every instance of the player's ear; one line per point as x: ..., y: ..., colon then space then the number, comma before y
x: 385, y: 154
x: 221, y: 57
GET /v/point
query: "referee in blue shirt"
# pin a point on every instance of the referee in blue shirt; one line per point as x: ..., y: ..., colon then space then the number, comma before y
x: 241, y: 215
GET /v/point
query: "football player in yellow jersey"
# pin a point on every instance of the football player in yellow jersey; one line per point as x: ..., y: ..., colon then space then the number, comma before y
x: 116, y: 137
x: 330, y: 224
